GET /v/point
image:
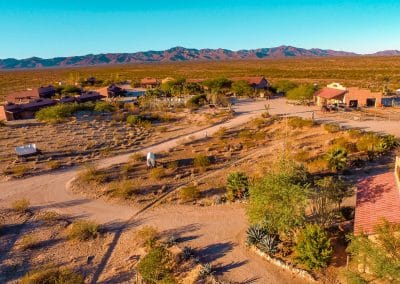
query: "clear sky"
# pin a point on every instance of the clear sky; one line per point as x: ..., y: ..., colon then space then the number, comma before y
x: 49, y: 28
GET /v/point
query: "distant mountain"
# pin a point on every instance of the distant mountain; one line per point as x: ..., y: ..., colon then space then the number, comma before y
x: 175, y: 54
x: 387, y: 53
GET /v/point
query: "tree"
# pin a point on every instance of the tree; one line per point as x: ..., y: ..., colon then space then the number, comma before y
x: 301, y: 93
x: 242, y: 88
x: 277, y: 202
x: 237, y: 186
x: 284, y: 86
x: 380, y: 255
x: 337, y: 159
x: 174, y: 87
x: 313, y: 247
x: 192, y: 89
x: 327, y: 194
x: 218, y: 86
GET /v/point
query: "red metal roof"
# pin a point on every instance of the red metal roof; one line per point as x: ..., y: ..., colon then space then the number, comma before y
x: 377, y: 197
x: 251, y: 80
x: 330, y: 93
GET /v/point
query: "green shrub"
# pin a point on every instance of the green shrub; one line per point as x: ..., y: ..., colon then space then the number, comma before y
x: 62, y: 112
x: 102, y: 106
x: 332, y: 127
x: 237, y: 186
x: 83, y: 230
x: 156, y: 266
x: 387, y: 143
x: 133, y: 119
x: 368, y: 142
x: 301, y: 93
x: 91, y: 175
x: 21, y: 205
x: 196, y: 101
x: 17, y: 171
x: 201, y: 161
x: 190, y: 192
x: 354, y: 133
x: 148, y: 236
x: 52, y: 276
x: 157, y: 173
x: 298, y: 122
x: 337, y: 159
x: 28, y: 242
x: 313, y: 247
x: 122, y: 189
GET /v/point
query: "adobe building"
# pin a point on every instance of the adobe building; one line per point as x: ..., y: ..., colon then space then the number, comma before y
x: 352, y: 97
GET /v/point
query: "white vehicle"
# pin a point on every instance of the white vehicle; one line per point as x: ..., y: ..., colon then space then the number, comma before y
x: 26, y: 150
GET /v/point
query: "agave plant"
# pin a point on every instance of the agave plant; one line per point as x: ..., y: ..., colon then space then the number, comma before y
x: 255, y: 234
x: 387, y: 143
x: 206, y: 270
x: 269, y: 243
x: 187, y: 253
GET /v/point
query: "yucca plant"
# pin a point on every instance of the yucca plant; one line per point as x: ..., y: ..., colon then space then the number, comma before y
x: 206, y: 270
x: 337, y: 159
x: 269, y: 243
x: 255, y: 234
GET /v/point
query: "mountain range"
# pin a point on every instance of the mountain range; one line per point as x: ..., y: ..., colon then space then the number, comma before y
x: 178, y: 54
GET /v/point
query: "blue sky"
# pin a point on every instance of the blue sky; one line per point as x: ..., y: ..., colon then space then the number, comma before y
x: 76, y: 27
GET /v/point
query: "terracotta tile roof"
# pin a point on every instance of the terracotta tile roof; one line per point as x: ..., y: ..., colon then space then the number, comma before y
x: 377, y: 197
x: 149, y: 81
x: 330, y: 93
x: 22, y: 96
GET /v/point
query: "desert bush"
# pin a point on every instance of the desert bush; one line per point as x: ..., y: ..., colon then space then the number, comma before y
x: 354, y: 133
x: 102, y: 106
x: 17, y: 171
x: 49, y: 216
x: 337, y: 159
x: 148, y: 236
x: 201, y: 161
x: 237, y: 186
x: 157, y: 173
x: 318, y: 164
x: 387, y: 143
x: 278, y: 200
x: 220, y: 134
x: 62, y: 112
x: 124, y: 189
x: 258, y: 122
x: 342, y: 142
x: 379, y: 256
x: 245, y: 134
x: 173, y: 165
x: 156, y: 266
x: 52, y: 276
x: 332, y: 127
x: 137, y: 157
x: 313, y: 247
x: 189, y: 192
x: 28, y: 242
x: 21, y: 205
x: 283, y: 86
x: 368, y: 142
x: 196, y: 101
x: 301, y: 93
x: 301, y: 156
x: 83, y: 230
x: 298, y: 122
x: 91, y: 175
x: 53, y: 165
x: 133, y: 120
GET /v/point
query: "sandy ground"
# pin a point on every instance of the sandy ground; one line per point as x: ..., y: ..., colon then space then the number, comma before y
x: 219, y: 228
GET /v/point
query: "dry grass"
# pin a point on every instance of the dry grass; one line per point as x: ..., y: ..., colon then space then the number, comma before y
x: 21, y: 205
x: 83, y: 230
x: 147, y: 236
x: 28, y: 242
x: 189, y: 193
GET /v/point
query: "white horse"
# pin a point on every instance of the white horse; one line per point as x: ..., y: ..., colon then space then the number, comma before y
x: 151, y: 160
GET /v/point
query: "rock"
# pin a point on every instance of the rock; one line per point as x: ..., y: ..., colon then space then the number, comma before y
x: 89, y: 259
x: 178, y: 176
